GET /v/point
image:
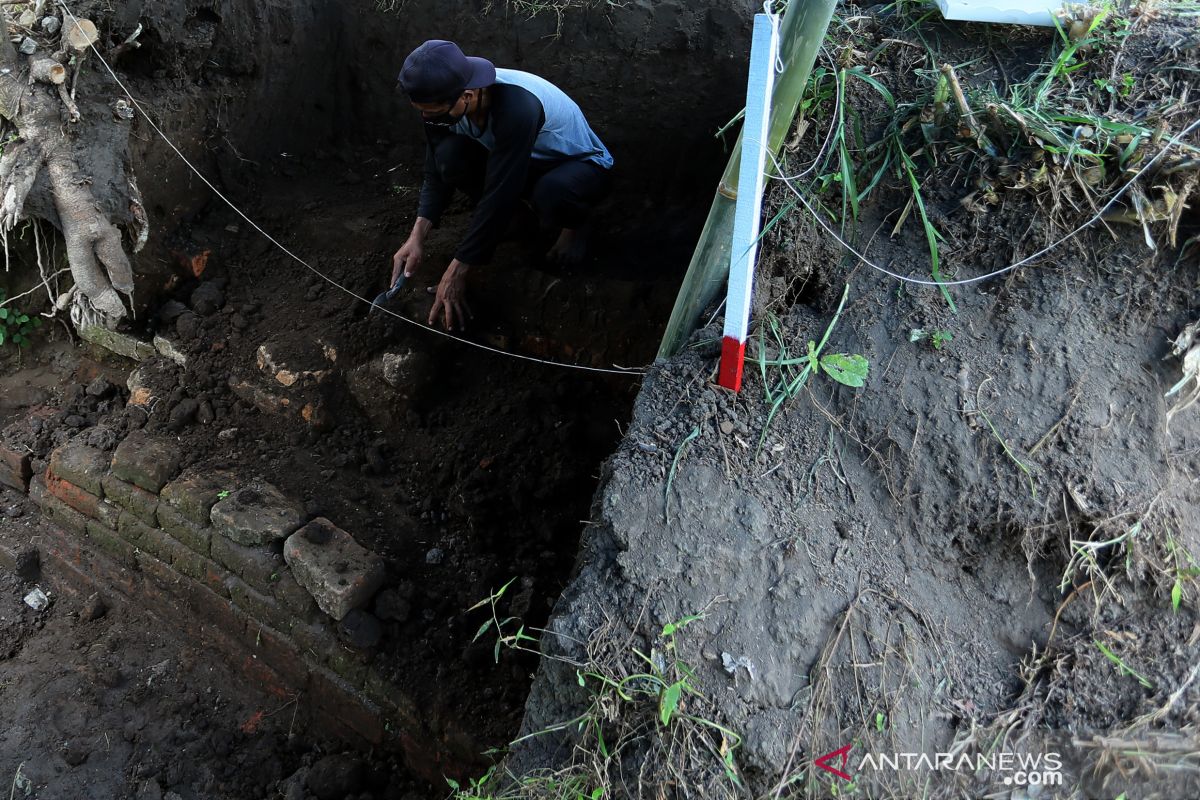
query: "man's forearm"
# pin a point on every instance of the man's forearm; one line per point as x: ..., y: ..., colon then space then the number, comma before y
x: 421, y: 229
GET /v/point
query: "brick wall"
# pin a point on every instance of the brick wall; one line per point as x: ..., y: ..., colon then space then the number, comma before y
x: 205, y: 553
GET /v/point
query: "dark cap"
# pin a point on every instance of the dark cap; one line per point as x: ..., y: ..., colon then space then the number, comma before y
x: 437, y: 71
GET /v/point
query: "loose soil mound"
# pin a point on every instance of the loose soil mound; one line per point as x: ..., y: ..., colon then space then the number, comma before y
x: 987, y: 548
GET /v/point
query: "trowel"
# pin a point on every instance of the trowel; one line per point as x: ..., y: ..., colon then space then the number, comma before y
x: 387, y: 295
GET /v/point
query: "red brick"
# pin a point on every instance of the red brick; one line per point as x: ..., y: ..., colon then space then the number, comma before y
x: 334, y: 697
x: 145, y: 461
x: 209, y: 608
x: 111, y: 542
x: 394, y: 699
x: 259, y: 566
x: 88, y: 560
x: 263, y: 609
x: 195, y: 492
x: 280, y: 654
x: 65, y: 578
x: 81, y: 465
x: 55, y: 510
x: 262, y: 676
x: 139, y: 502
x: 165, y: 578
x: 82, y: 501
x: 195, y: 536
x: 14, y: 468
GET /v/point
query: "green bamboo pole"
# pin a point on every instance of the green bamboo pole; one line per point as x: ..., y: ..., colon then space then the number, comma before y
x: 801, y: 32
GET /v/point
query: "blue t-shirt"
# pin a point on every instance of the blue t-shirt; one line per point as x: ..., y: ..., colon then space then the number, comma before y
x: 529, y: 119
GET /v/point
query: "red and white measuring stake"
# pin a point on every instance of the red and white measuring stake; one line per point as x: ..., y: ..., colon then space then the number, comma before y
x: 748, y: 212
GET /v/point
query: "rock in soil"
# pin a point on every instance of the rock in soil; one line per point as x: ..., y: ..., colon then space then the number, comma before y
x: 334, y: 777
x: 207, y: 299
x: 93, y: 608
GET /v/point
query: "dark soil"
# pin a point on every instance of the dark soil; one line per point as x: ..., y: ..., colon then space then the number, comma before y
x: 468, y: 469
x: 892, y: 567
x: 107, y: 703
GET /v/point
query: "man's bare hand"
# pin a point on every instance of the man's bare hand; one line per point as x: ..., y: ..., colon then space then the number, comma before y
x: 407, y: 259
x: 450, y: 302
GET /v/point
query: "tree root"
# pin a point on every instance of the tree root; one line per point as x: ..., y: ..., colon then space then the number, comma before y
x: 52, y: 171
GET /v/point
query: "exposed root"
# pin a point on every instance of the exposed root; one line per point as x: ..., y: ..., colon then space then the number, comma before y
x: 73, y: 164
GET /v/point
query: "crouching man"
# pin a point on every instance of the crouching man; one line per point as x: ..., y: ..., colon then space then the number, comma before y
x: 500, y: 136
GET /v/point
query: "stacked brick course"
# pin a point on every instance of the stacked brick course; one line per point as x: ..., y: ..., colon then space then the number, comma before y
x: 205, y: 552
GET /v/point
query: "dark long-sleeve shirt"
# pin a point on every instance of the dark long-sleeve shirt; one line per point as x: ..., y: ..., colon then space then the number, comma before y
x: 514, y: 118
x: 528, y: 119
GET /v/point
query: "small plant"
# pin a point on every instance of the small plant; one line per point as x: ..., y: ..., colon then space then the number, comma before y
x: 1122, y: 88
x: 847, y: 369
x: 221, y: 495
x: 20, y: 782
x: 505, y: 636
x: 1184, y: 569
x: 1122, y: 667
x: 1021, y: 465
x: 634, y: 700
x: 671, y: 474
x: 15, y: 326
x: 938, y: 338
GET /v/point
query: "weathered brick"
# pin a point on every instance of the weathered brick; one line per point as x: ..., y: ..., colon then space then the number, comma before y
x: 348, y: 663
x: 195, y: 492
x: 294, y: 597
x: 14, y: 467
x: 55, y: 510
x: 108, y: 514
x: 261, y: 567
x: 77, y: 498
x: 139, y: 502
x: 392, y: 698
x: 188, y: 562
x: 339, y: 572
x: 160, y: 573
x: 111, y: 542
x: 256, y: 515
x: 145, y: 461
x: 316, y: 640
x: 258, y: 606
x: 183, y: 530
x: 279, y: 653
x: 134, y: 531
x: 213, y: 609
x: 334, y: 697
x: 54, y: 543
x: 81, y: 465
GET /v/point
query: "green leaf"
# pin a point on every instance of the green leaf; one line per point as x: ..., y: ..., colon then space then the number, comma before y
x: 1176, y: 594
x: 848, y: 370
x: 453, y: 784
x: 579, y: 677
x: 22, y: 319
x: 482, y: 630
x: 3, y: 313
x: 670, y: 702
x: 672, y: 627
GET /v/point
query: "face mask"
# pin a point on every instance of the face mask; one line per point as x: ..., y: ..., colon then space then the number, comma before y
x: 446, y: 119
